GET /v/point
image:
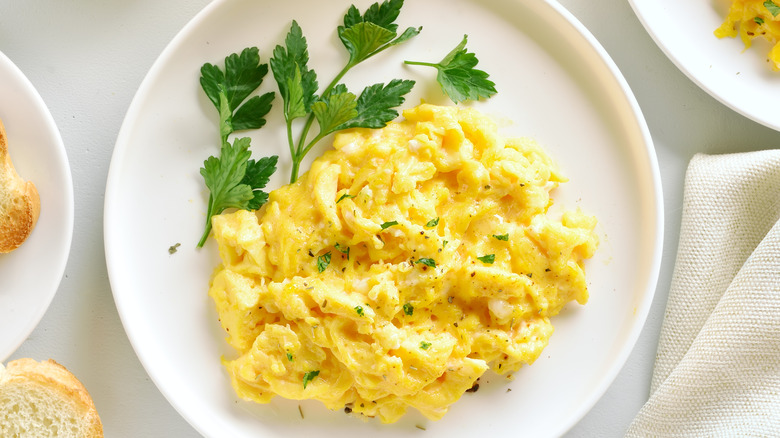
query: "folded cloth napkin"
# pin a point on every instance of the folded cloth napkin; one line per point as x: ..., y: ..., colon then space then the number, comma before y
x: 717, y: 369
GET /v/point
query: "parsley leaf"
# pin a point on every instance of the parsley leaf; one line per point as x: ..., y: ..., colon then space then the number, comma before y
x: 309, y: 376
x: 359, y: 310
x: 432, y: 223
x: 235, y: 181
x: 297, y: 84
x: 289, y: 356
x: 424, y: 345
x: 458, y: 77
x: 223, y: 176
x: 257, y: 175
x: 488, y: 259
x: 758, y: 20
x: 427, y: 262
x: 772, y: 8
x: 382, y: 15
x: 376, y: 102
x: 389, y: 224
x: 504, y: 237
x: 227, y: 90
x: 323, y: 261
x: 334, y: 110
x: 408, y: 309
x: 365, y: 36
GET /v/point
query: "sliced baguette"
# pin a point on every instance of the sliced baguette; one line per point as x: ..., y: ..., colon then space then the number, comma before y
x: 44, y: 400
x: 20, y: 204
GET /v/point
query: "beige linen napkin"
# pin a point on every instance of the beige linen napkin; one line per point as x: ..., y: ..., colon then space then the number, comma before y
x: 717, y: 369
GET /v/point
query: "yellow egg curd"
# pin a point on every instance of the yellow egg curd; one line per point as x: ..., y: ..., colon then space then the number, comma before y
x: 407, y: 262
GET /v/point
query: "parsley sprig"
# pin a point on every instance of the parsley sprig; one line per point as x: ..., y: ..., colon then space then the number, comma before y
x: 336, y: 108
x: 233, y: 179
x: 236, y: 181
x: 458, y: 77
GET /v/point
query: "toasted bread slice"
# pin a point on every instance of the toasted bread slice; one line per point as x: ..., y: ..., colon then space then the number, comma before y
x: 44, y: 400
x: 20, y: 204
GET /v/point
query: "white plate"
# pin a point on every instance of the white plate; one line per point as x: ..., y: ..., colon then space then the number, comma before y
x: 554, y: 81
x: 740, y: 79
x: 31, y: 274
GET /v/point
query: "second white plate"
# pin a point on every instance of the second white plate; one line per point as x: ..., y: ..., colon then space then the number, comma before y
x: 740, y: 79
x: 31, y: 274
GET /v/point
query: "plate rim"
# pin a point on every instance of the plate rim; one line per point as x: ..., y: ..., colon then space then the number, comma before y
x: 58, y: 150
x: 691, y: 72
x: 642, y: 308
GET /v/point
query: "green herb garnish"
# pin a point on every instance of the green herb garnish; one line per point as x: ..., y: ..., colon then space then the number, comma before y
x: 336, y: 108
x: 342, y: 249
x: 289, y: 356
x: 432, y: 223
x: 427, y: 262
x: 323, y: 261
x: 772, y: 8
x: 235, y: 181
x: 309, y: 376
x: 424, y: 345
x: 387, y: 225
x: 487, y: 259
x: 408, y: 309
x: 504, y: 237
x: 359, y: 310
x: 343, y: 197
x: 758, y: 20
x: 458, y: 77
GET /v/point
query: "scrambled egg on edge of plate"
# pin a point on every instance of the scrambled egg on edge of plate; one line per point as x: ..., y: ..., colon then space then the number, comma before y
x: 752, y: 19
x: 407, y: 262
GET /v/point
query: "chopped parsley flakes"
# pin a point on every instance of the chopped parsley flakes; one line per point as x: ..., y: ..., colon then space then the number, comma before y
x: 323, y: 261
x: 309, y: 376
x: 487, y: 259
x: 427, y: 262
x: 342, y: 249
x: 387, y: 225
x: 772, y: 7
x: 343, y: 197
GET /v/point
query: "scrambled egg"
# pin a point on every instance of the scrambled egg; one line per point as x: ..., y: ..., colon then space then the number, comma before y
x: 752, y: 19
x: 406, y: 263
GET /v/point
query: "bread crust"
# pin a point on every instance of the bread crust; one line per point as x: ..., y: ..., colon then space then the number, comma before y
x: 20, y: 204
x: 53, y: 376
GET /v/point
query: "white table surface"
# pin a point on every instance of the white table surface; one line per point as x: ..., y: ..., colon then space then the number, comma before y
x: 87, y: 58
